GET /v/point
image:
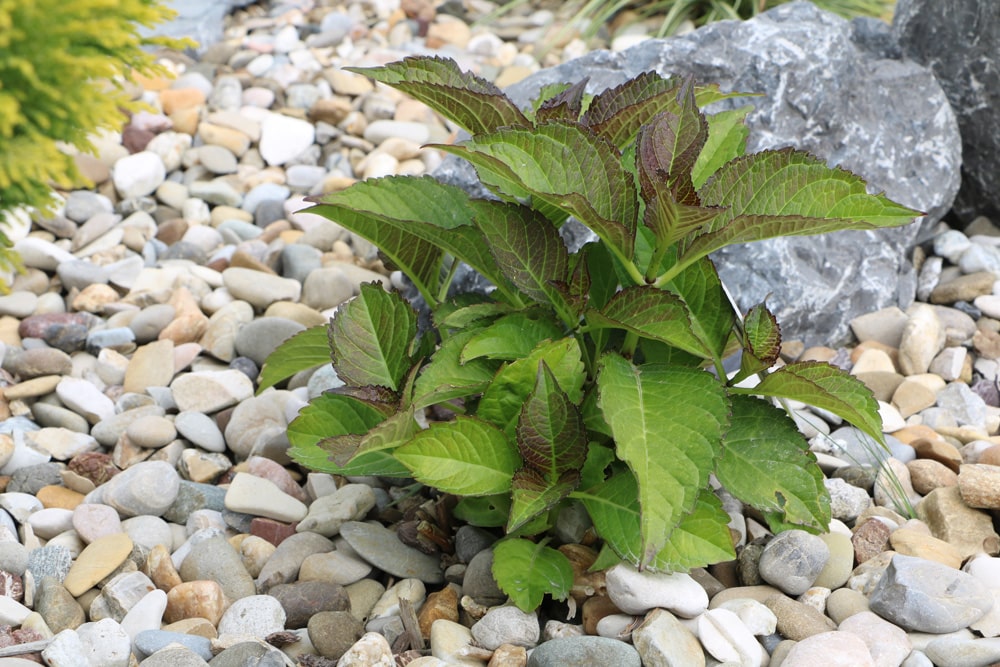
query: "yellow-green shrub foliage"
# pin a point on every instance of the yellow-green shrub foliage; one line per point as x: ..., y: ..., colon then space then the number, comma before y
x: 61, y: 66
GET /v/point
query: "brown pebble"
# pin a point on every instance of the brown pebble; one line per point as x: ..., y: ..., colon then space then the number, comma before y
x: 440, y: 604
x: 594, y: 610
x: 507, y: 655
x: 990, y: 456
x: 938, y: 450
x: 160, y: 568
x: 196, y: 598
x: 928, y: 474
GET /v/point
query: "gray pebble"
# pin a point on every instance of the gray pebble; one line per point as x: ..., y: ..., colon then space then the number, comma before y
x: 215, y: 559
x: 149, y: 642
x: 585, y: 650
x: 258, y: 339
x: 792, y: 560
x: 925, y: 596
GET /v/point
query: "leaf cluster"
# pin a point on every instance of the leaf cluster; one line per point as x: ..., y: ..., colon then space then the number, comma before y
x: 593, y: 377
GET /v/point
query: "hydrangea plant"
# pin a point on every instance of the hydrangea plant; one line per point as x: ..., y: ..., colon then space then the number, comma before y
x: 593, y: 377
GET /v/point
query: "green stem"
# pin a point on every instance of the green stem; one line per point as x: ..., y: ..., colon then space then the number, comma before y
x: 633, y: 271
x: 445, y: 284
x: 631, y: 340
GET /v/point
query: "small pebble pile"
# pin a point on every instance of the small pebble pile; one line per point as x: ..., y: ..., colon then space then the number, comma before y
x: 149, y: 513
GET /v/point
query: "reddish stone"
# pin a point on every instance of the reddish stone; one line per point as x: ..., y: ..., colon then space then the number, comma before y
x: 273, y: 531
x: 98, y: 467
x: 136, y: 139
x: 870, y: 539
x: 35, y: 326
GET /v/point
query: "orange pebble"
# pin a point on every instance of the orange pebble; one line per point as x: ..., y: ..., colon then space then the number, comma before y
x: 58, y: 496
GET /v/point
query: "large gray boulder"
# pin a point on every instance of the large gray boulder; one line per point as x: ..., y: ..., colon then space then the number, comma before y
x: 201, y: 20
x: 839, y: 90
x: 960, y: 41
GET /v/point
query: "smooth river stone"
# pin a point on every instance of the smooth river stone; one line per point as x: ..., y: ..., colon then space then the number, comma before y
x: 381, y: 547
x: 98, y: 560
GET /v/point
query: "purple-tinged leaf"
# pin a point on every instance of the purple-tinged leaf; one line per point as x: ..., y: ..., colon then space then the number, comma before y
x: 619, y: 112
x: 551, y: 436
x: 566, y: 105
x: 532, y: 494
x: 787, y: 193
x: 652, y: 313
x: 502, y: 401
x: 527, y: 249
x: 671, y: 221
x: 474, y: 103
x: 668, y: 147
x: 370, y: 336
x: 396, y: 430
x: 564, y: 165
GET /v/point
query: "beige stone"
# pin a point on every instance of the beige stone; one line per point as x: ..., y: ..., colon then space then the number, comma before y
x: 873, y: 360
x: 980, y: 485
x: 940, y: 451
x: 950, y: 519
x: 203, y: 599
x: 915, y: 543
x: 912, y: 397
x: 152, y: 365
x: 98, y: 560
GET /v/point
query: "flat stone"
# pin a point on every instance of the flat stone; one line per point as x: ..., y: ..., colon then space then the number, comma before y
x: 254, y: 615
x: 283, y: 138
x: 255, y: 495
x: 260, y: 289
x: 949, y: 518
x: 980, y: 485
x: 792, y: 560
x: 146, y: 488
x: 796, y: 620
x: 214, y: 559
x: 382, y: 548
x: 583, y: 651
x: 97, y: 561
x: 210, y: 391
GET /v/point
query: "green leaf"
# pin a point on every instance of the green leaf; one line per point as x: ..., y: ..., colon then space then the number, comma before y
x: 511, y: 336
x: 547, y: 92
x: 599, y: 457
x: 412, y: 220
x: 700, y: 538
x: 668, y: 424
x: 787, y: 193
x: 330, y: 415
x: 502, y: 400
x: 446, y: 377
x: 824, y: 386
x: 652, y: 313
x: 762, y: 341
x: 527, y: 249
x: 484, y: 511
x: 467, y: 457
x: 389, y: 434
x: 619, y: 112
x: 708, y: 306
x: 552, y: 441
x: 475, y: 104
x: 766, y: 463
x: 302, y: 351
x: 527, y: 572
x: 468, y: 310
x: 601, y: 268
x: 564, y: 165
x: 371, y: 336
x: 727, y: 140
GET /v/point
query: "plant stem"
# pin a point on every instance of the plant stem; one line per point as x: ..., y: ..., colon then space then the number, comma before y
x: 631, y: 340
